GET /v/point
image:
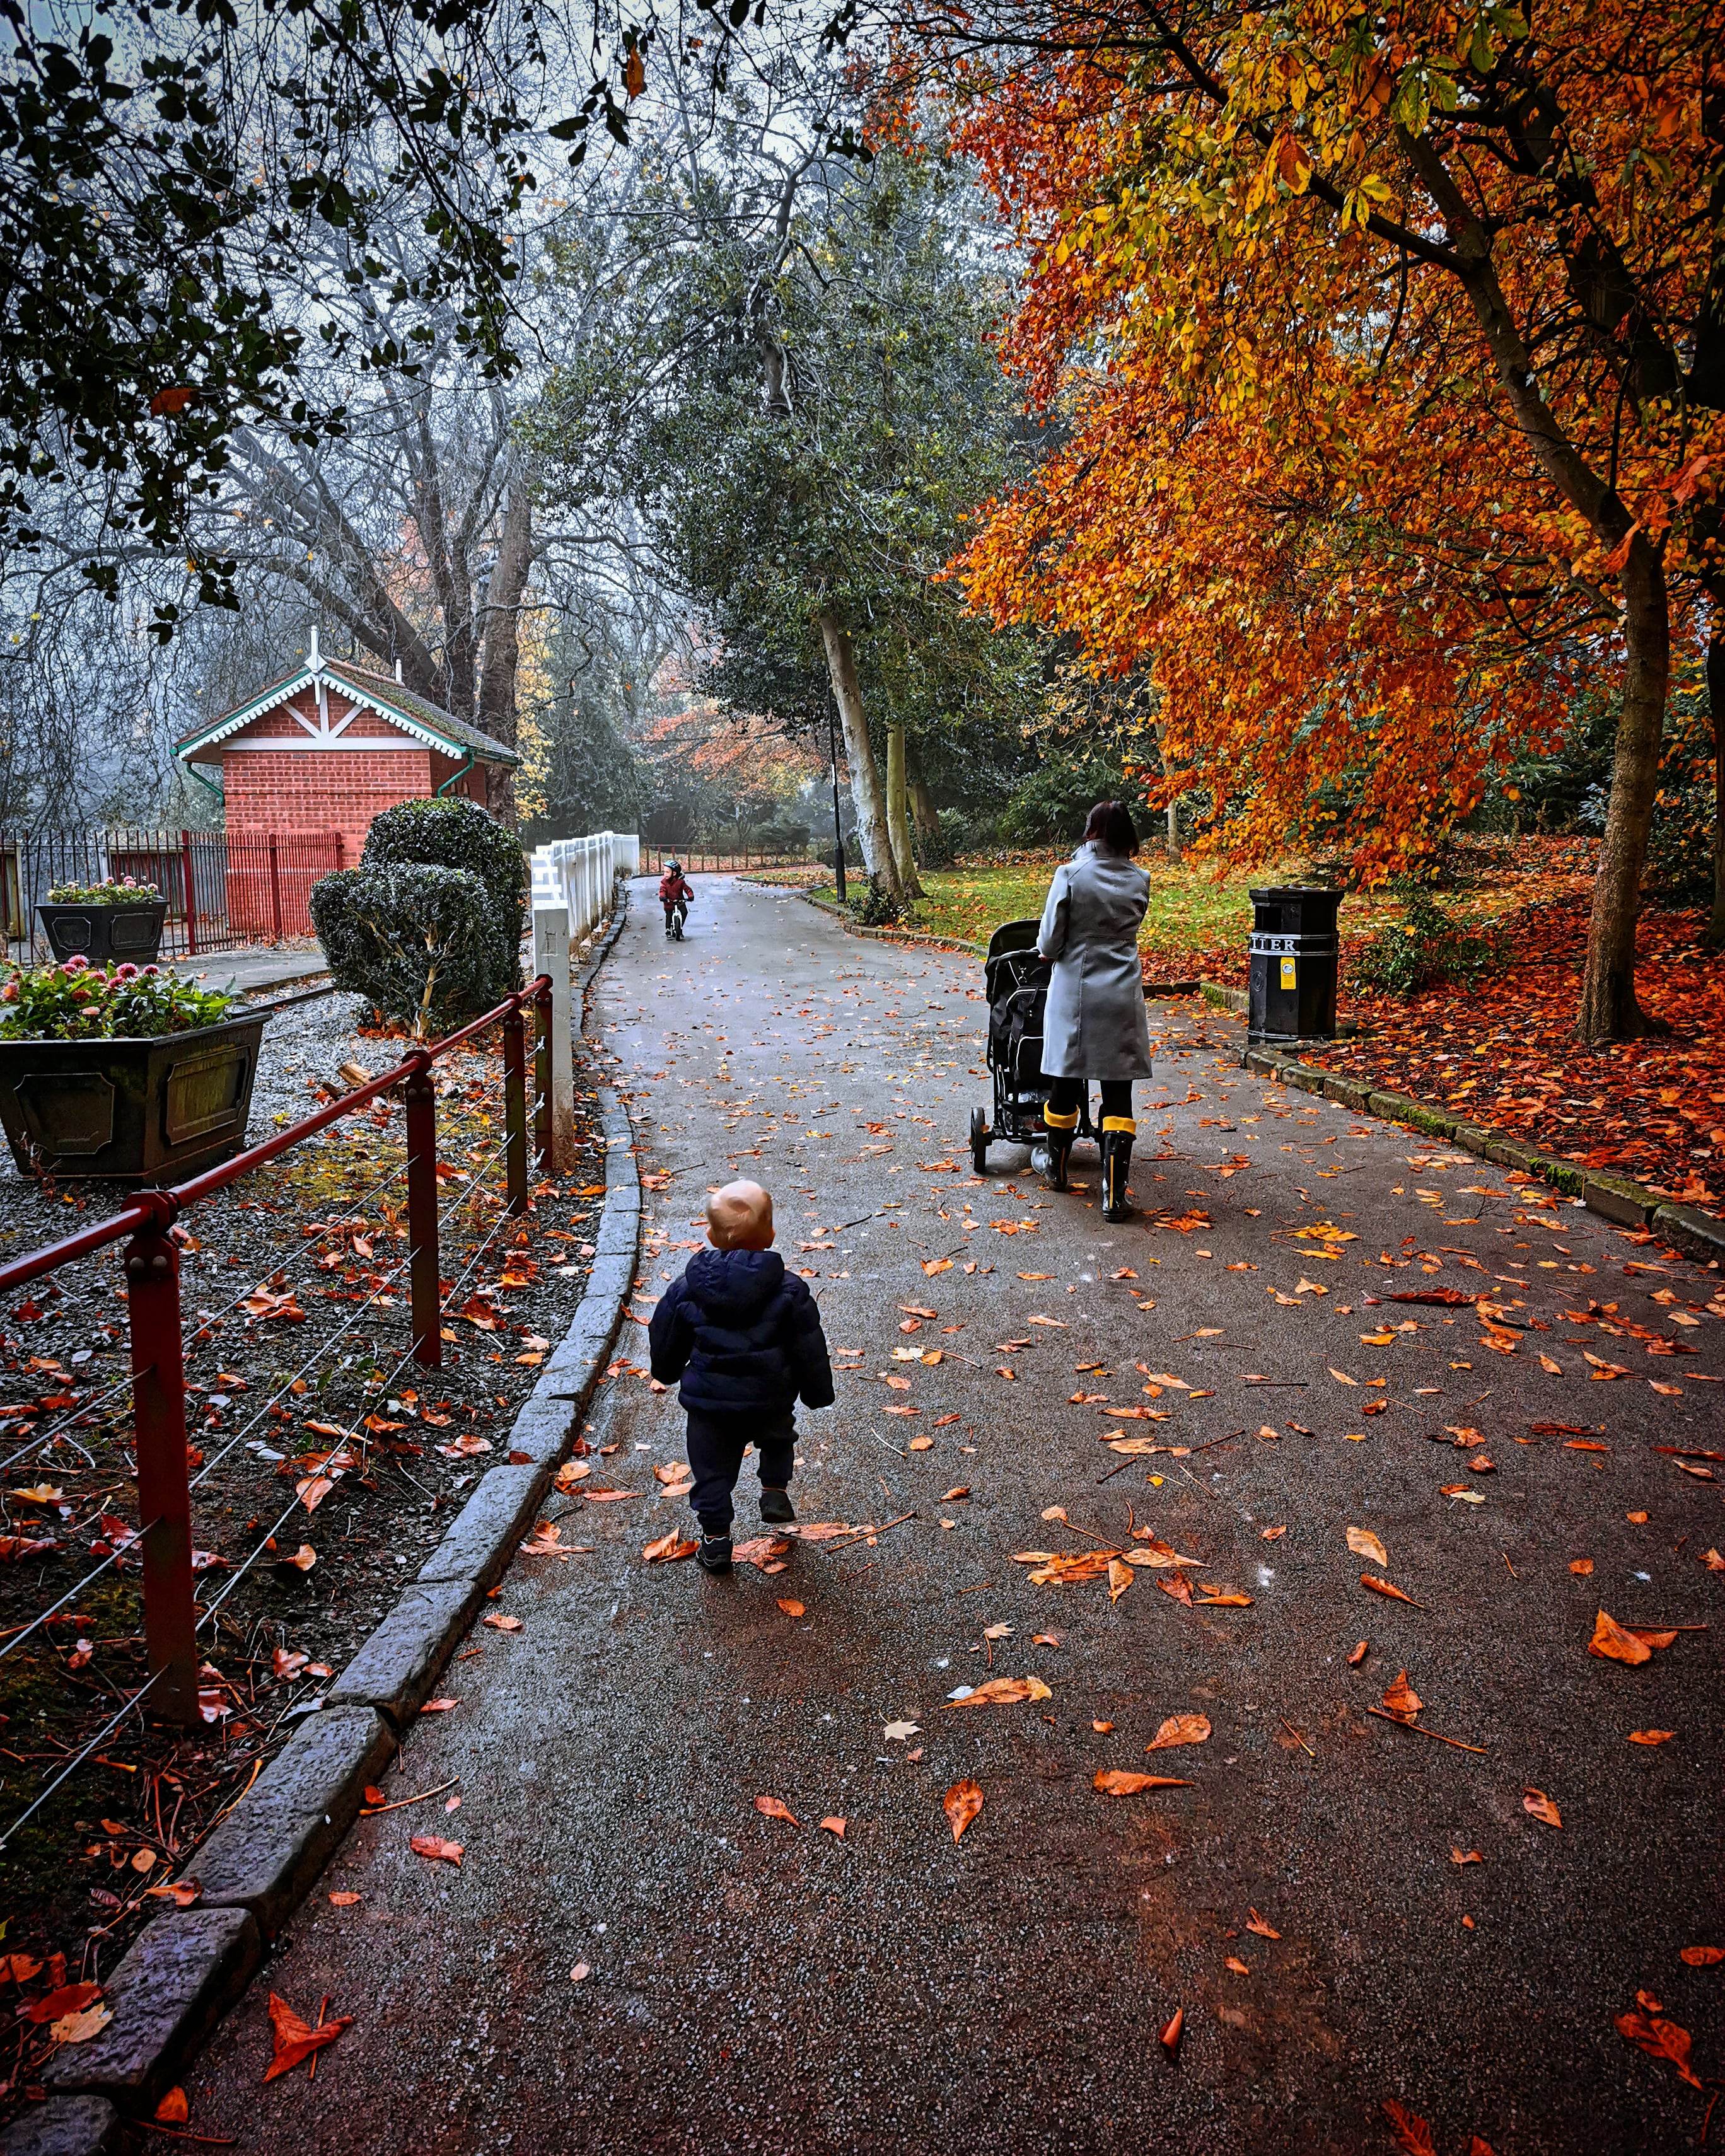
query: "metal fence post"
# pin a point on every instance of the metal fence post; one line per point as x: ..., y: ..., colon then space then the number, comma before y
x: 152, y: 1280
x: 514, y: 1106
x: 275, y: 886
x: 425, y: 1292
x: 188, y: 877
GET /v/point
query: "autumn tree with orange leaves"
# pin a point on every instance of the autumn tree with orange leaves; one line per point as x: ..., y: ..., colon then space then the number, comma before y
x: 1384, y: 352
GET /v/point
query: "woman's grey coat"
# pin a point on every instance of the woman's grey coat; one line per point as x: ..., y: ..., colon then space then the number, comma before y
x: 1096, y: 1025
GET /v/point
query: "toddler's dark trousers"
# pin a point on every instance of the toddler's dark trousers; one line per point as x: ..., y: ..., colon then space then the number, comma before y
x: 715, y: 1447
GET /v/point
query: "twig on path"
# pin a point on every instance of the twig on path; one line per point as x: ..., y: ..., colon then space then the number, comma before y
x: 401, y: 1804
x: 323, y: 2008
x: 1277, y: 1384
x: 208, y: 2140
x: 859, y: 1533
x: 1437, y: 1735
x: 889, y: 1446
x: 1118, y: 1468
x: 977, y: 1589
x: 1214, y: 1442
x: 1296, y: 1735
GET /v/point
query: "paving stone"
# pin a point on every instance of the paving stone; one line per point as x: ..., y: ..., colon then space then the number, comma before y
x: 1353, y: 1093
x: 64, y: 2125
x: 182, y: 1974
x: 483, y: 1536
x: 268, y: 1849
x: 396, y: 1668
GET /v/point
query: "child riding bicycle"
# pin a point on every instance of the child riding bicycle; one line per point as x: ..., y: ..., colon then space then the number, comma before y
x: 676, y: 894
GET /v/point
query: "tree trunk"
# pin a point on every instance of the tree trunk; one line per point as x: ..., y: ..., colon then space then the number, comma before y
x: 500, y: 651
x: 1609, y: 1008
x: 865, y: 788
x: 925, y: 816
x: 1173, y: 832
x: 898, y: 812
x: 1716, y: 705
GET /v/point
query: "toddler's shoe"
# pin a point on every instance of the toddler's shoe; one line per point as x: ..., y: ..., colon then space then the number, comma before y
x: 714, y: 1554
x: 777, y: 1509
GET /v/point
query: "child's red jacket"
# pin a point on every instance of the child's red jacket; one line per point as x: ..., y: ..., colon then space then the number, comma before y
x: 673, y: 887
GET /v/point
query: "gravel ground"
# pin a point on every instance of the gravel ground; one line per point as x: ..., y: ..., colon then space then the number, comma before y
x: 300, y: 1352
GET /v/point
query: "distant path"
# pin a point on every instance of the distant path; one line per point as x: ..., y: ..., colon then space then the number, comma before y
x: 759, y: 1987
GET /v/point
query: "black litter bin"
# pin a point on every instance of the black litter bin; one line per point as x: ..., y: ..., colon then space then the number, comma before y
x: 1294, y: 948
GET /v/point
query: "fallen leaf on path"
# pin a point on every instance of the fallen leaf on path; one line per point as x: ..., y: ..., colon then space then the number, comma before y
x: 761, y: 1551
x: 501, y: 1623
x: 173, y: 2110
x: 1271, y: 1534
x: 1118, y: 1781
x: 961, y: 1805
x: 345, y: 1901
x: 1702, y: 1957
x: 1401, y: 1700
x: 1612, y: 1643
x: 434, y: 1845
x: 771, y: 1808
x: 1663, y: 2039
x: 1359, y: 1654
x: 296, y: 2040
x: 1651, y: 1736
x: 1240, y: 1968
x: 66, y: 1998
x: 1178, y: 1586
x: 580, y: 1972
x: 1180, y: 1729
x: 834, y: 1825
x: 1364, y: 1543
x: 1170, y: 2033
x: 79, y: 2028
x: 894, y: 1731
x: 1465, y: 1856
x: 1412, y: 2133
x: 1254, y: 1923
x: 1002, y: 1691
x: 1384, y: 1587
x: 791, y: 1608
x: 669, y: 1548
x: 439, y: 1706
x: 1120, y: 1577
x: 1581, y: 1567
x: 1539, y: 1806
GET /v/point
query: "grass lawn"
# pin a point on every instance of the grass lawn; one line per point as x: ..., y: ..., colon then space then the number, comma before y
x: 1198, y: 921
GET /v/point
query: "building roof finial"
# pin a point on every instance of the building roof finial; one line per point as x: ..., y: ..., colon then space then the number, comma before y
x: 317, y: 654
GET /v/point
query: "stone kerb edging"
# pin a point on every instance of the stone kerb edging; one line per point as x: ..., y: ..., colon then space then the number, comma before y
x: 1615, y: 1197
x: 189, y: 1967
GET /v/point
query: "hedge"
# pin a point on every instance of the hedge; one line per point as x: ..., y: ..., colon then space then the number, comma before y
x: 456, y: 834
x: 420, y: 941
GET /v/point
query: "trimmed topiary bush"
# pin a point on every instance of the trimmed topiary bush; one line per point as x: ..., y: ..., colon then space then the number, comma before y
x: 421, y: 941
x: 454, y: 833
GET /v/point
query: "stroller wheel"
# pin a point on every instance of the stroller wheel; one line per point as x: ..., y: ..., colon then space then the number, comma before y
x: 979, y: 1140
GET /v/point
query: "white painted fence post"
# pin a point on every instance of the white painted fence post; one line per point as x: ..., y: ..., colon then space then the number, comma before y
x: 551, y: 955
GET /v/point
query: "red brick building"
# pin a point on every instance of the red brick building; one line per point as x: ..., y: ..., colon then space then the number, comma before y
x: 314, y: 758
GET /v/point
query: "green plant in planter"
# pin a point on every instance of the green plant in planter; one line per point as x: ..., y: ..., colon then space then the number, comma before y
x: 420, y: 941
x: 77, y: 1001
x: 127, y: 891
x: 454, y: 833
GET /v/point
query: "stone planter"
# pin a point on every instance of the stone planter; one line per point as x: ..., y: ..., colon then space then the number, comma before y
x: 105, y: 935
x: 135, y: 1110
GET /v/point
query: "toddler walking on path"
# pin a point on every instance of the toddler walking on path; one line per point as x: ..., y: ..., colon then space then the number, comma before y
x: 744, y: 1336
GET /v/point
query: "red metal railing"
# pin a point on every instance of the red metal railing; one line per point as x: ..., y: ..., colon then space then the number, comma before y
x: 225, y: 889
x: 152, y: 1267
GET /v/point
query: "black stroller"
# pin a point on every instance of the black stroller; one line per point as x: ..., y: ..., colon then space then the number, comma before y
x: 1016, y: 982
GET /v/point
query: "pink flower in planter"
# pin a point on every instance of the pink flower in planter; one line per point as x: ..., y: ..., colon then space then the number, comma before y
x: 126, y: 973
x: 8, y: 995
x: 77, y: 964
x: 82, y: 991
x: 150, y: 972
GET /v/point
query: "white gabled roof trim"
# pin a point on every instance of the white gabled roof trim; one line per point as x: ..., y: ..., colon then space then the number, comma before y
x: 274, y: 699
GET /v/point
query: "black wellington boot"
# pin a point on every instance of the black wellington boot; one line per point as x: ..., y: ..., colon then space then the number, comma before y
x: 1116, y: 1165
x: 1049, y: 1158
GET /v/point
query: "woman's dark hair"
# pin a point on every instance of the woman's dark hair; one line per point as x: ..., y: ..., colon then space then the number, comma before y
x: 1110, y: 826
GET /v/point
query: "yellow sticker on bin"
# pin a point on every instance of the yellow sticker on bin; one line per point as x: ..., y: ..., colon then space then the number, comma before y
x: 1287, y: 973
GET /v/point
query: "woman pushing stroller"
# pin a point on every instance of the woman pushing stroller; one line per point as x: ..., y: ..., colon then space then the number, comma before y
x: 1095, y: 1025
